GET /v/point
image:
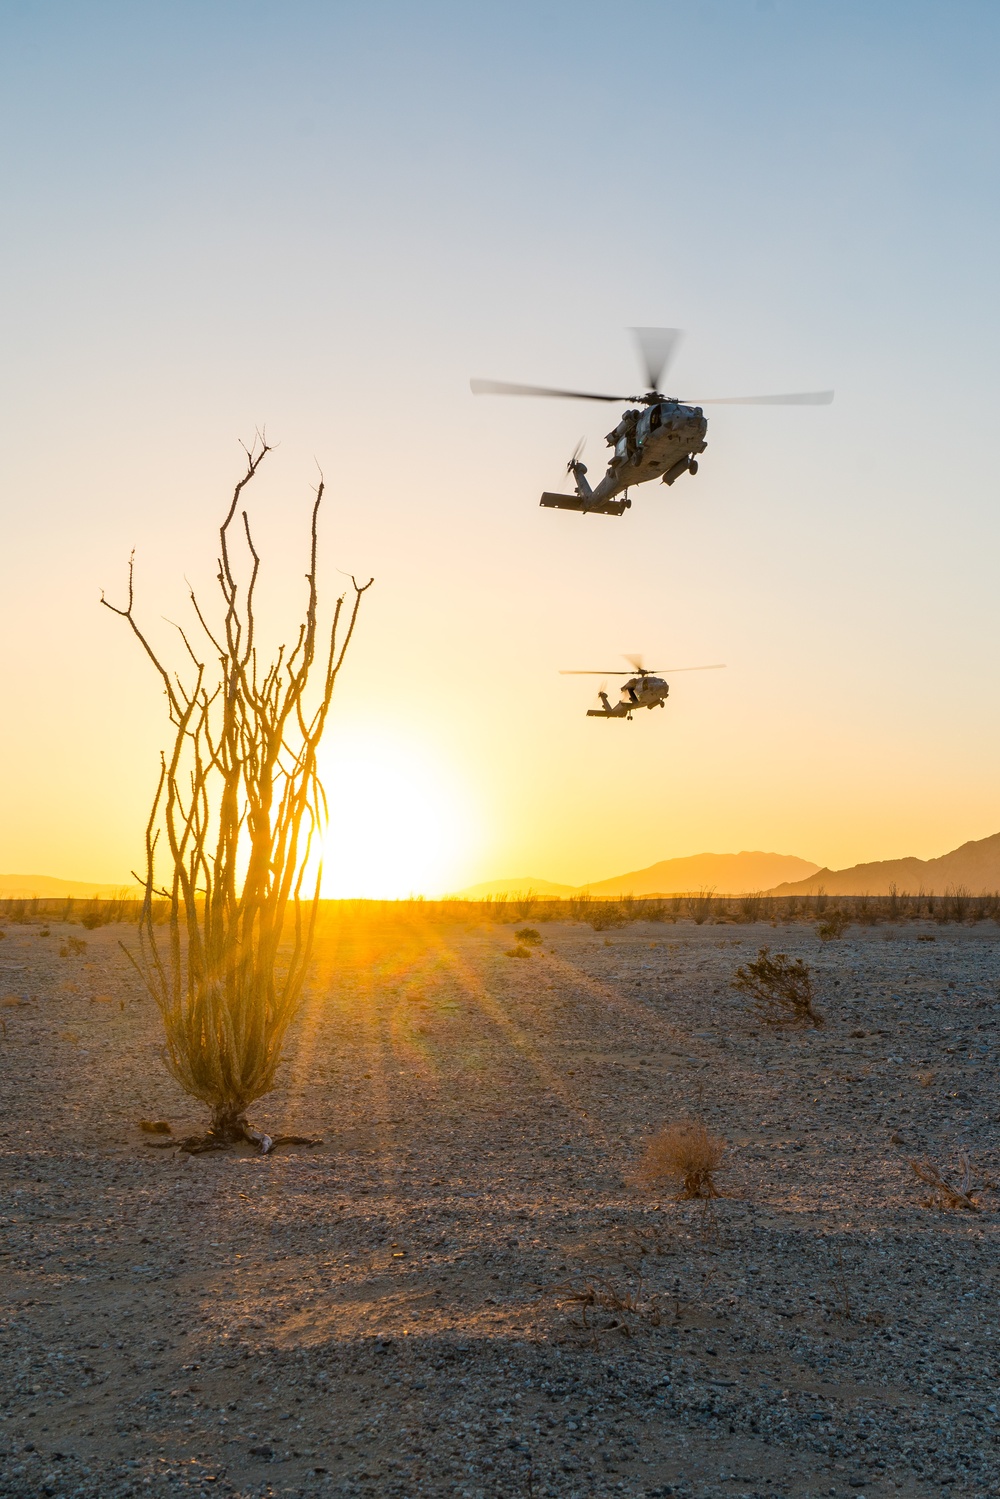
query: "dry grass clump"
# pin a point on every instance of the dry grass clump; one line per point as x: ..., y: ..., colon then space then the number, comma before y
x: 518, y: 952
x: 687, y: 1153
x: 529, y: 936
x: 782, y: 990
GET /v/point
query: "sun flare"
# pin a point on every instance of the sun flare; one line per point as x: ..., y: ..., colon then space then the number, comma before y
x: 400, y: 823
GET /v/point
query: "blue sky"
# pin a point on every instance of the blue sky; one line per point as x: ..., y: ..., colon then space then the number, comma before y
x: 325, y: 218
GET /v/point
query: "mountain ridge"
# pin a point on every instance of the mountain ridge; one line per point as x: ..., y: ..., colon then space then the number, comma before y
x: 974, y: 866
x: 731, y: 874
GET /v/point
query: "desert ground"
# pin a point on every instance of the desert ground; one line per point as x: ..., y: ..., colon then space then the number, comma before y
x: 466, y: 1289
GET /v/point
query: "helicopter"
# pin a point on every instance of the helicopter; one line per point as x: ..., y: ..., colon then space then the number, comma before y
x: 646, y: 689
x: 662, y: 442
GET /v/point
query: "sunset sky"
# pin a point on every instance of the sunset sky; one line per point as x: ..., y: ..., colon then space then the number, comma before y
x: 324, y: 218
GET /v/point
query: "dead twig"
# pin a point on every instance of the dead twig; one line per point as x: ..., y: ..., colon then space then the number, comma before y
x: 598, y: 1294
x: 946, y: 1194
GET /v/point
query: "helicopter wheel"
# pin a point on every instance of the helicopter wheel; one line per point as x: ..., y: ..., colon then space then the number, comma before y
x: 628, y: 503
x: 693, y: 466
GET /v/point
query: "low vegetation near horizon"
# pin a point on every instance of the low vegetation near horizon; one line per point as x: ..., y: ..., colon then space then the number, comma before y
x: 832, y: 916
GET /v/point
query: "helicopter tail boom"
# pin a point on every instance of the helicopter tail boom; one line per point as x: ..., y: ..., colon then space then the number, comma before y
x: 620, y: 710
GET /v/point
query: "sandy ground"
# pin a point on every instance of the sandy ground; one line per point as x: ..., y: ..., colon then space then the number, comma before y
x: 392, y: 1312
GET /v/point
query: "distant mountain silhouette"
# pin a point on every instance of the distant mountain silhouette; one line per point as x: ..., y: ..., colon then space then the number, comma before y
x: 974, y: 867
x: 21, y: 886
x: 726, y: 874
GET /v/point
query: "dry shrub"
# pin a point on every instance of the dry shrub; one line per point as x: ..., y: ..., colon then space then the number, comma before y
x: 925, y: 1079
x: 606, y: 915
x: 518, y: 952
x: 782, y: 990
x: 237, y: 813
x: 687, y: 1153
x: 529, y: 936
x: 833, y: 925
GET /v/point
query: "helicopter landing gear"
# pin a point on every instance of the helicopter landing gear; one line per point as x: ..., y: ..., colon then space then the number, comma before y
x: 693, y: 466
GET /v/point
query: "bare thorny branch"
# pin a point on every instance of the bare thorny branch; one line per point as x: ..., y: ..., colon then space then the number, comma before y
x: 239, y: 785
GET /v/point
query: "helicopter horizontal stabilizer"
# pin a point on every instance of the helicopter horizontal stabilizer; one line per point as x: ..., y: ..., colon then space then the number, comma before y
x: 586, y: 506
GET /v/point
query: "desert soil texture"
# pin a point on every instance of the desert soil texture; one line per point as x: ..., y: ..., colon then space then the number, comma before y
x: 467, y: 1288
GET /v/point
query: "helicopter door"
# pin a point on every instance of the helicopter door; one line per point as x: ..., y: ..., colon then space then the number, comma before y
x: 648, y: 422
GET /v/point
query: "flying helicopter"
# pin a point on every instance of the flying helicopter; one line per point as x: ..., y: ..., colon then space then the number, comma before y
x: 662, y: 442
x: 646, y: 689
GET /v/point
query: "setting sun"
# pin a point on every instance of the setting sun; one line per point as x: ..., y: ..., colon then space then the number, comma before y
x: 400, y: 824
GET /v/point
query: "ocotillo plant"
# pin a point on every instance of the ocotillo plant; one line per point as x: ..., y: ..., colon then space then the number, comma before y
x: 237, y: 808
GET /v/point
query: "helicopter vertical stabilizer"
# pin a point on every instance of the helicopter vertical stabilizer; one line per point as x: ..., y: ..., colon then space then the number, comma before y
x: 579, y: 472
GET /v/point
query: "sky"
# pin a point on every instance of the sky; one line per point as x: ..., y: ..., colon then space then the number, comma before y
x: 323, y: 219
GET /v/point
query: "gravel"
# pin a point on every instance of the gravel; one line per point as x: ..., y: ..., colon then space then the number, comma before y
x: 403, y: 1310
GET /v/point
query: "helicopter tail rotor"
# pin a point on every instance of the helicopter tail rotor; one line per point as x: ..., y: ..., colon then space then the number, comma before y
x: 571, y: 465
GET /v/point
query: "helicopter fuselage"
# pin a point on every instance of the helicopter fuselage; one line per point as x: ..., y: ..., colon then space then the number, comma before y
x: 660, y: 442
x: 644, y: 691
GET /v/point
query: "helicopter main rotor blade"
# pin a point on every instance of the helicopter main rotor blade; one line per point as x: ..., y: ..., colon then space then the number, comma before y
x: 801, y: 398
x: 647, y: 671
x: 716, y: 666
x: 634, y: 661
x: 657, y: 347
x: 504, y: 388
